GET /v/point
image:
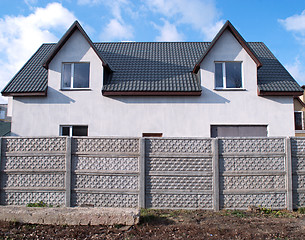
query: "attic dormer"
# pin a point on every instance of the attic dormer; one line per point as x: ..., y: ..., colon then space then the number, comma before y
x: 229, y: 63
x: 75, y: 62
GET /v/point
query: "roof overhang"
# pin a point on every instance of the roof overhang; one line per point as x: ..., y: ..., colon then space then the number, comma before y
x: 25, y: 94
x: 75, y: 26
x: 238, y: 37
x: 151, y: 93
x: 278, y: 93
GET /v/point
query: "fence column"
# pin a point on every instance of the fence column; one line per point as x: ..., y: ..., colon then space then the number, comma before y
x: 1, y: 172
x: 68, y: 171
x: 215, y: 166
x: 288, y: 174
x: 142, y: 174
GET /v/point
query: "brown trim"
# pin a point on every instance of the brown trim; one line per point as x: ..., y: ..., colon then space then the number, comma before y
x: 238, y: 37
x: 25, y: 94
x: 278, y: 93
x: 146, y: 93
x: 75, y: 26
x: 300, y: 101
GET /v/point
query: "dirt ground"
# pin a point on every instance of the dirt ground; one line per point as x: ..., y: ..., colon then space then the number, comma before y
x: 176, y: 224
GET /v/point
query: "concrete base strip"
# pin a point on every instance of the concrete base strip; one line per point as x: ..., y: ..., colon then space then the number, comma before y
x: 70, y: 216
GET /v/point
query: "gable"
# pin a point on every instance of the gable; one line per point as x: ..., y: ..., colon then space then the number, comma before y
x: 229, y: 27
x: 75, y: 27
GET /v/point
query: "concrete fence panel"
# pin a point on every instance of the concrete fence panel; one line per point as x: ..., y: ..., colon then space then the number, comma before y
x: 105, y: 172
x: 33, y: 170
x: 176, y: 173
x: 298, y: 171
x: 179, y: 173
x: 252, y: 172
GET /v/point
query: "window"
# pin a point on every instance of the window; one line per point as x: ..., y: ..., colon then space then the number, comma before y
x: 239, y: 131
x: 74, y: 131
x: 228, y: 75
x: 298, y: 120
x: 75, y: 75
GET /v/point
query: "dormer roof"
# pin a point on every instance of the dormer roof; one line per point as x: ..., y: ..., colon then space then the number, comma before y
x: 228, y: 26
x: 75, y: 26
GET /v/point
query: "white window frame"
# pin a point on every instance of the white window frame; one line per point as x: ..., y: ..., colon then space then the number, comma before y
x: 224, y: 77
x: 70, y: 129
x: 72, y: 76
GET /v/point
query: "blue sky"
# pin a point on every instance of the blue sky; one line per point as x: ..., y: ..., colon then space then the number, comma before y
x: 26, y: 24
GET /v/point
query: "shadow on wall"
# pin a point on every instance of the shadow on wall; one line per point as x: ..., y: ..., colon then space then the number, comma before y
x: 207, y: 97
x: 54, y: 97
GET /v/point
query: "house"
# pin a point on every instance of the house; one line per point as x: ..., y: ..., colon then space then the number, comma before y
x: 227, y: 87
x: 299, y: 109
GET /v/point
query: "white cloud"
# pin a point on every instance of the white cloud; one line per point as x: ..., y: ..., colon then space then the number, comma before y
x: 168, y: 33
x: 202, y: 15
x: 297, y: 70
x: 88, y: 2
x: 20, y: 36
x: 295, y: 23
x: 117, y: 30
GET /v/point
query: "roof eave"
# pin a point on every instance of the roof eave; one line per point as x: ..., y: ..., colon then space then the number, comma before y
x: 150, y: 93
x: 238, y: 37
x: 279, y: 93
x: 75, y: 26
x: 24, y: 94
x: 43, y: 93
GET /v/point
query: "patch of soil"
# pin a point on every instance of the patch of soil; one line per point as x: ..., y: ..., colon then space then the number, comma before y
x: 174, y: 224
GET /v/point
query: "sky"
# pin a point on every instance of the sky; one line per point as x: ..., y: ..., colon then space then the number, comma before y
x: 26, y: 24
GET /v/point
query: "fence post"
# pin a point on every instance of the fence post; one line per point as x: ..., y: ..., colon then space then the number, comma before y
x: 142, y: 174
x: 288, y: 174
x: 68, y: 171
x: 1, y: 172
x: 215, y: 167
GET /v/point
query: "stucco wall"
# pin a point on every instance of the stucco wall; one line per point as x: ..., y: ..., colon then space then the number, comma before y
x: 132, y: 116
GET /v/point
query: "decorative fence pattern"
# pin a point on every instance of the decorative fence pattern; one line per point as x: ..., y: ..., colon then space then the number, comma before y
x: 187, y: 173
x: 179, y: 173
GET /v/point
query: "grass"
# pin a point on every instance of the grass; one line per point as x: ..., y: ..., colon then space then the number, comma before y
x: 38, y: 204
x: 301, y: 210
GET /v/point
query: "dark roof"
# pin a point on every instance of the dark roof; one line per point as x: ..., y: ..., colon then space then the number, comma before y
x: 272, y: 77
x: 32, y: 79
x: 154, y: 68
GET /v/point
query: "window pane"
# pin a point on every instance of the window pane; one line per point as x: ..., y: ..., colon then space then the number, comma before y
x: 233, y: 74
x: 218, y: 75
x: 80, y: 131
x: 298, y: 120
x: 66, y: 77
x: 65, y: 131
x: 238, y: 131
x: 81, y: 75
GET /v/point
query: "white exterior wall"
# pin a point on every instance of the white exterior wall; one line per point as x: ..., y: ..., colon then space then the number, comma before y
x: 132, y: 116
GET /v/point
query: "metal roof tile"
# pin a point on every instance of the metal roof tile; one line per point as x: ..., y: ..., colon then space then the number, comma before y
x: 153, y: 66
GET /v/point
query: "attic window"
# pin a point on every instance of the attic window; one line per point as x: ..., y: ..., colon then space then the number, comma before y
x: 228, y: 75
x: 75, y: 75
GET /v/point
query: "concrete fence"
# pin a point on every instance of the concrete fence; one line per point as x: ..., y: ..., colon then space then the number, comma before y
x: 185, y: 173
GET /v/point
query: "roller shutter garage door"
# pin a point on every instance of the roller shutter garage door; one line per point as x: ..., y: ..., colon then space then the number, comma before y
x: 239, y: 131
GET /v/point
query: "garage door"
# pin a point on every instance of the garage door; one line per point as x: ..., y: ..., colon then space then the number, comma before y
x: 238, y: 130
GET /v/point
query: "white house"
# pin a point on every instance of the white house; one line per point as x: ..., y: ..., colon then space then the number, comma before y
x: 227, y: 87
